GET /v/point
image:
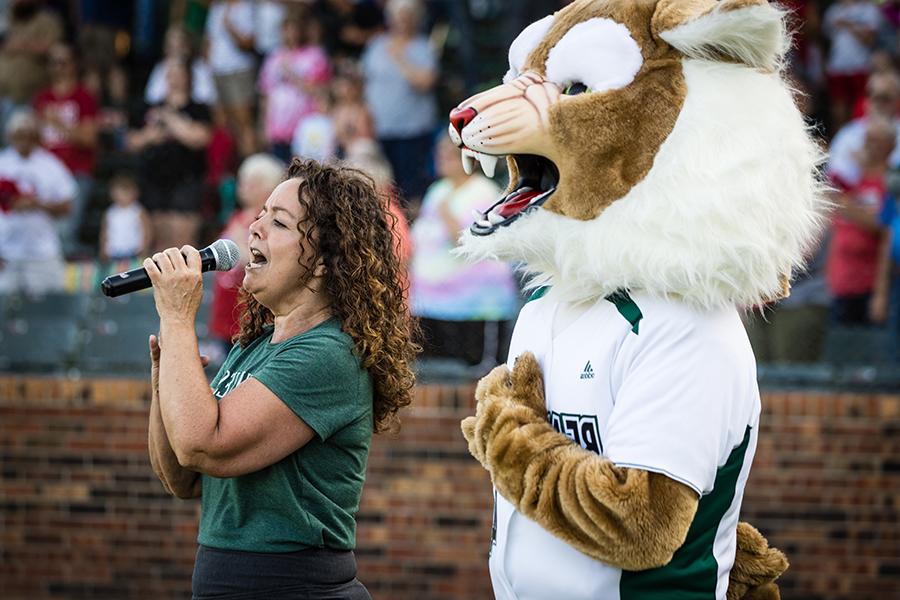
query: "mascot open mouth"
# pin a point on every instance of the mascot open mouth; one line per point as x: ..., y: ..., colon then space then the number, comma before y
x: 538, y: 178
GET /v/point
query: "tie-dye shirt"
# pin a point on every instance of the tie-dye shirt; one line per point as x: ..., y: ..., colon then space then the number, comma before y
x: 447, y: 287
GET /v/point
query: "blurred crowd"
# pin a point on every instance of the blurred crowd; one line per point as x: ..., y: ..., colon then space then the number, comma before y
x: 128, y: 127
x: 844, y: 65
x: 111, y: 152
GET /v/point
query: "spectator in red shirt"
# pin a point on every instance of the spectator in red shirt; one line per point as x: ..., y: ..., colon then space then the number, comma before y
x: 856, y: 231
x: 68, y: 113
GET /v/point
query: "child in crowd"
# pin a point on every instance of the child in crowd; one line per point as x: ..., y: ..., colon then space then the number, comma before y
x: 125, y: 231
x: 351, y: 117
x: 856, y: 231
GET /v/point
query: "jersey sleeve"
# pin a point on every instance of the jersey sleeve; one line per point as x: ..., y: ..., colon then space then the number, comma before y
x: 320, y: 381
x: 680, y: 387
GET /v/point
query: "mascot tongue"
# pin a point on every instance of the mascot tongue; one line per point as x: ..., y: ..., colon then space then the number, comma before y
x: 517, y: 202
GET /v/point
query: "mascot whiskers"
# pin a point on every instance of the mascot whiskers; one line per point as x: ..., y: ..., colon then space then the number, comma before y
x: 661, y: 181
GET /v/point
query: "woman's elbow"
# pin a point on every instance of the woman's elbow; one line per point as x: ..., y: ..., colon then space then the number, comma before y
x: 186, y: 493
x: 189, y: 458
x: 203, y: 462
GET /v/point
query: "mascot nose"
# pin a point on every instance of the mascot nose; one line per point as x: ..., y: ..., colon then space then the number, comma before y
x: 460, y: 117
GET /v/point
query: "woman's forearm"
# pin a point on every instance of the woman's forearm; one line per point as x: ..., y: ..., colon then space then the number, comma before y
x: 188, y: 408
x: 177, y: 480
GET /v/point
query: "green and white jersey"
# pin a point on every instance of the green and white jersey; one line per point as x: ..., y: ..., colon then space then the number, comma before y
x: 650, y: 384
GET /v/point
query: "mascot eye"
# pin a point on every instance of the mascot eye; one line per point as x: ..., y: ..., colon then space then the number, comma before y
x: 576, y: 88
x: 596, y: 55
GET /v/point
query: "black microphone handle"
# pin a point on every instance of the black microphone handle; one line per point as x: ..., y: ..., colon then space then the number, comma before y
x: 137, y: 279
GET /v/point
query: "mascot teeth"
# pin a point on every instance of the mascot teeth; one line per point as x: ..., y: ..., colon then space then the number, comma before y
x: 494, y: 218
x: 488, y: 162
x: 468, y: 161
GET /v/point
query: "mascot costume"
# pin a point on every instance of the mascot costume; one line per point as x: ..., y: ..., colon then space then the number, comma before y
x: 661, y: 180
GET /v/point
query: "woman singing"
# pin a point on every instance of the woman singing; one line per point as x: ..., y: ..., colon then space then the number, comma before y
x: 277, y: 445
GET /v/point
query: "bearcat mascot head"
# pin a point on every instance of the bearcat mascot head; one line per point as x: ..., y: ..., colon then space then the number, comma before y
x: 652, y: 145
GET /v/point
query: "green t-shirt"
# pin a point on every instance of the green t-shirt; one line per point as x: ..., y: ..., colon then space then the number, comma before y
x: 309, y: 498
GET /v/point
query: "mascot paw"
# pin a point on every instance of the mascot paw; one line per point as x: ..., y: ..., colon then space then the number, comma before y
x: 468, y: 429
x: 501, y: 389
x: 524, y: 385
x: 756, y: 566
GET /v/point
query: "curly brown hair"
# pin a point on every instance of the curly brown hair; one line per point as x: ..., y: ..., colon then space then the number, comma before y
x: 353, y: 232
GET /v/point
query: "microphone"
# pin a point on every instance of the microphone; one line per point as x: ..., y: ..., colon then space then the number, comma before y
x: 221, y: 255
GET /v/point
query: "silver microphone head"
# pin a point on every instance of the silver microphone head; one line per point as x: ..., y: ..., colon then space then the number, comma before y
x: 227, y: 254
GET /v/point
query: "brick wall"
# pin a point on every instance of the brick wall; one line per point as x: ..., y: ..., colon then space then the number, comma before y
x: 83, y: 516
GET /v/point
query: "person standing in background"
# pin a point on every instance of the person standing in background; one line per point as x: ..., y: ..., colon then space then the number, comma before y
x: 466, y: 309
x: 270, y: 15
x: 885, y: 306
x: 23, y: 55
x: 171, y: 139
x: 882, y: 101
x: 290, y: 80
x: 401, y: 70
x: 230, y: 38
x: 856, y: 232
x: 256, y: 178
x: 68, y: 113
x: 31, y: 258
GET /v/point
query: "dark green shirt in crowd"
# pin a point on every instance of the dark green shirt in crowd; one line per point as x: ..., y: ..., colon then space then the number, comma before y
x: 309, y: 498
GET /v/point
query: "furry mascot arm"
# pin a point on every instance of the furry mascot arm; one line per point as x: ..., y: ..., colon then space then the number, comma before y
x: 628, y: 518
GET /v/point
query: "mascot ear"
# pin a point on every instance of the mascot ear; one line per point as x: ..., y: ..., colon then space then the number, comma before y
x: 747, y: 31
